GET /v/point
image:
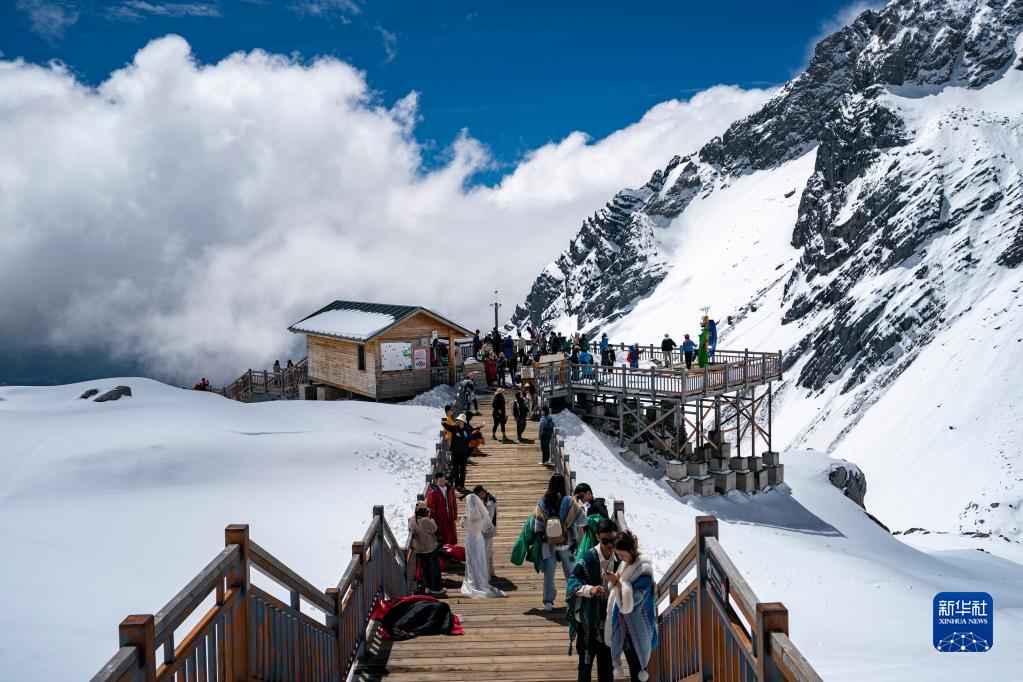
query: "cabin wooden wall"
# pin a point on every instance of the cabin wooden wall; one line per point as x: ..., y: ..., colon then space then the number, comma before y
x: 336, y: 363
x: 415, y: 329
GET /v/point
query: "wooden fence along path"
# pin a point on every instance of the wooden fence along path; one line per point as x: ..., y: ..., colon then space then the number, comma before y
x: 222, y: 626
x: 257, y: 384
x: 730, y: 371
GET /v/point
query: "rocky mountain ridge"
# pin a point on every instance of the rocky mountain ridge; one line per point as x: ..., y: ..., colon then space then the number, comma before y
x: 910, y: 218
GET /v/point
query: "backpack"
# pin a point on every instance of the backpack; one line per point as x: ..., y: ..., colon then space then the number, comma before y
x: 555, y: 529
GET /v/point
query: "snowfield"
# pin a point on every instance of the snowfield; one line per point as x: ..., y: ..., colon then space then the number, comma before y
x: 108, y: 509
x: 111, y: 507
x: 859, y: 599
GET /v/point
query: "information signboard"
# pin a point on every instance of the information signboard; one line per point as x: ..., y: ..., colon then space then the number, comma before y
x: 396, y: 356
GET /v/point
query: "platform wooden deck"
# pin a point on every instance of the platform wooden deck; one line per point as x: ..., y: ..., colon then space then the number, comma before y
x: 505, y: 639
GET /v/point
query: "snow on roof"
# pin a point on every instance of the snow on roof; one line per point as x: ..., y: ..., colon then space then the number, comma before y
x: 350, y: 324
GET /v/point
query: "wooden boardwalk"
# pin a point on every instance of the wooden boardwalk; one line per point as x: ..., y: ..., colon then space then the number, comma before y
x: 505, y: 639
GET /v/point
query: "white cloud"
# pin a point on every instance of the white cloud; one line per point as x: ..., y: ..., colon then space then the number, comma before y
x: 390, y: 41
x: 49, y: 18
x: 341, y: 9
x: 183, y: 215
x: 139, y: 9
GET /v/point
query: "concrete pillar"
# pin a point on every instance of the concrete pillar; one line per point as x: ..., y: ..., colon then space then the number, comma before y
x: 724, y: 481
x: 745, y: 481
x: 738, y: 463
x: 696, y: 468
x: 682, y: 487
x: 703, y: 485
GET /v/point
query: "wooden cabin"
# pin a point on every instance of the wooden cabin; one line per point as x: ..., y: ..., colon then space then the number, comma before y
x: 375, y: 350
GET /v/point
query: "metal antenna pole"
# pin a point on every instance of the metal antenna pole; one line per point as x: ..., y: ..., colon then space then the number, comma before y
x: 495, y: 305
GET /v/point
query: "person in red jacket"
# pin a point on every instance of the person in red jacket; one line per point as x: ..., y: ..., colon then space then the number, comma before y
x: 443, y: 509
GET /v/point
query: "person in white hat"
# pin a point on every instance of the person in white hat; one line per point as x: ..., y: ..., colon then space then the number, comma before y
x: 461, y: 437
x: 667, y: 348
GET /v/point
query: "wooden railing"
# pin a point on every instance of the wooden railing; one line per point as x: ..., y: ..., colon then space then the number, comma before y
x: 262, y: 382
x: 750, y: 369
x: 247, y: 633
x: 439, y: 462
x: 713, y: 627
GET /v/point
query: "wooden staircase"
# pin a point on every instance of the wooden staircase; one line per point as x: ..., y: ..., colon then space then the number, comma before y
x: 256, y: 385
x: 508, y: 639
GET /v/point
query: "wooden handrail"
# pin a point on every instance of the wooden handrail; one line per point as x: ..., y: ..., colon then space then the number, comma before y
x: 738, y: 588
x: 704, y: 638
x: 681, y: 566
x: 792, y: 665
x: 194, y: 593
x: 277, y: 571
x: 226, y: 626
x: 125, y: 662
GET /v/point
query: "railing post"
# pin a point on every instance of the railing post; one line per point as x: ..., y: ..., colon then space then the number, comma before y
x: 333, y: 621
x: 238, y: 579
x: 359, y: 551
x: 380, y: 555
x: 139, y: 631
x: 706, y: 526
x: 771, y: 617
x: 745, y: 368
x: 653, y: 384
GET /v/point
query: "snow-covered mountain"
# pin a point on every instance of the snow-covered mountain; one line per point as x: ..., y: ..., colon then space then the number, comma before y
x: 868, y: 221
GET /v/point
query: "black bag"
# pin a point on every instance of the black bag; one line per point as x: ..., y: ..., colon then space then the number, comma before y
x: 418, y: 618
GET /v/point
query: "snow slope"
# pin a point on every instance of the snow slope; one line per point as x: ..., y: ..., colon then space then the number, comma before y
x: 867, y: 221
x: 927, y: 315
x: 111, y: 507
x: 859, y: 599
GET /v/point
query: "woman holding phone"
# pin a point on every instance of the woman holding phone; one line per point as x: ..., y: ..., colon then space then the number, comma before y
x: 631, y: 627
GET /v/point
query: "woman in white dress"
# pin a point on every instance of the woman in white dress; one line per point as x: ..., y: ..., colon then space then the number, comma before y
x: 477, y: 523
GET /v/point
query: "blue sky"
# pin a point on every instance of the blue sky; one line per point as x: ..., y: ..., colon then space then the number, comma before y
x: 145, y: 197
x: 516, y: 75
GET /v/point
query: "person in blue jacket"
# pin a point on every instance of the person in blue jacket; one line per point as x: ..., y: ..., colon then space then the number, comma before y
x: 688, y: 351
x: 556, y: 506
x: 634, y: 356
x: 586, y: 360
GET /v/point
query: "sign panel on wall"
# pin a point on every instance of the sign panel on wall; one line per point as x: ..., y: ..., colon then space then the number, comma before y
x: 396, y: 356
x: 421, y: 358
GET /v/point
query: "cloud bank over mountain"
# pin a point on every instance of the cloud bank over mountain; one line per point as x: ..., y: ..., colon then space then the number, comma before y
x: 181, y: 214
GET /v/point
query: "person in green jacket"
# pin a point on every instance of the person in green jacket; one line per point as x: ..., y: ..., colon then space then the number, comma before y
x: 701, y: 356
x: 526, y: 547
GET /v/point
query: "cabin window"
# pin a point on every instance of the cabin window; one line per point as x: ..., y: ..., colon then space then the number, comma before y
x: 362, y: 358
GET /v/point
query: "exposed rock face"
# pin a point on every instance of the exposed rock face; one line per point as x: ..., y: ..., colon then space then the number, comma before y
x: 616, y: 243
x: 850, y: 480
x: 114, y: 394
x: 88, y: 394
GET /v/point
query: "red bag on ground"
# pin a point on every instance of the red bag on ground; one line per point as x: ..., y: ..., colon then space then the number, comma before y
x: 398, y: 622
x: 453, y: 553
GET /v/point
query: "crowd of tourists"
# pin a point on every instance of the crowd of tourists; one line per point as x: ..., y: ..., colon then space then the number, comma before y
x: 609, y: 586
x: 508, y: 359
